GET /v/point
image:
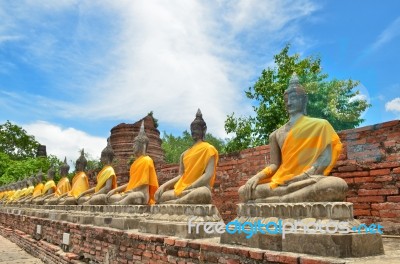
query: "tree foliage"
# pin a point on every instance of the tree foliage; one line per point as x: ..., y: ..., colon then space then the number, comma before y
x: 333, y: 100
x: 16, y: 143
x: 174, y: 146
x: 14, y: 170
x: 18, y: 155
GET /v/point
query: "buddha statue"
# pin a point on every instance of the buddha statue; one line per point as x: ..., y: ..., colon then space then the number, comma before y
x: 27, y: 191
x: 80, y: 183
x: 143, y: 181
x: 49, y: 188
x: 302, y: 153
x: 63, y: 185
x: 197, y: 171
x: 106, y: 180
x: 37, y: 191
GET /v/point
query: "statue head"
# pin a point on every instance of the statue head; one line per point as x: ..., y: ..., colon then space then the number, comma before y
x: 295, y: 97
x: 81, y: 162
x: 51, y: 172
x: 141, y: 142
x: 39, y: 176
x: 107, y: 155
x: 64, y: 168
x: 198, y: 127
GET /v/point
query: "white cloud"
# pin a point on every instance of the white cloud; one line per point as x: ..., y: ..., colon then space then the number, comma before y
x: 170, y: 57
x: 393, y: 105
x: 391, y: 32
x: 65, y: 142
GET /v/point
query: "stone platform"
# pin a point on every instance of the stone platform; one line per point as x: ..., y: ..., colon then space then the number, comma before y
x: 116, y: 216
x: 325, y: 229
x: 173, y: 220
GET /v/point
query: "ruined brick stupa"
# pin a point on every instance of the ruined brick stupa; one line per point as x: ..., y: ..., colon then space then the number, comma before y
x: 122, y: 137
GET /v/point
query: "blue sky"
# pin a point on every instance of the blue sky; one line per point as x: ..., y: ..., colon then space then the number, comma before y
x: 71, y: 70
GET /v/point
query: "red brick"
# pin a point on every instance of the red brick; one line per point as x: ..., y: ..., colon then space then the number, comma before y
x: 362, y: 199
x: 371, y: 185
x: 387, y: 206
x: 232, y: 261
x: 211, y: 247
x: 358, y: 212
x: 378, y: 192
x: 395, y: 199
x: 310, y: 260
x: 396, y: 170
x: 169, y: 241
x: 389, y: 213
x: 364, y: 179
x: 348, y: 168
x: 281, y: 258
x: 379, y: 172
x: 256, y: 254
x: 384, y: 178
x: 361, y: 206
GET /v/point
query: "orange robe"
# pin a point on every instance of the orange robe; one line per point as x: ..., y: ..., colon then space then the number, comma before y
x: 38, y: 190
x: 63, y: 186
x: 80, y: 183
x: 102, y: 177
x: 49, y: 185
x: 304, y: 143
x: 195, y: 161
x: 142, y: 172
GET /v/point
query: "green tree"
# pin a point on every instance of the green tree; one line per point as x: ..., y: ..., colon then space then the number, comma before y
x: 15, y: 170
x: 174, y: 146
x: 16, y: 143
x: 333, y: 100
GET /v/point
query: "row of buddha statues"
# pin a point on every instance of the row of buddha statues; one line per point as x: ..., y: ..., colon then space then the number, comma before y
x: 302, y: 153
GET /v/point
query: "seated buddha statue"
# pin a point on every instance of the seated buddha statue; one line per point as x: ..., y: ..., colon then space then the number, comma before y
x: 63, y: 185
x: 27, y: 191
x: 80, y: 183
x: 49, y: 188
x: 143, y: 181
x: 197, y: 171
x: 106, y: 180
x: 302, y: 153
x: 37, y: 191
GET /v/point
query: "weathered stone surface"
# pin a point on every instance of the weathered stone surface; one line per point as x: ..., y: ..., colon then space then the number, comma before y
x: 116, y: 216
x: 172, y: 220
x: 333, y: 244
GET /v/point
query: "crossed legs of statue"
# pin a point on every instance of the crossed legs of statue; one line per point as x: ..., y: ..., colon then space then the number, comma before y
x: 315, y: 189
x: 127, y: 198
x: 200, y: 195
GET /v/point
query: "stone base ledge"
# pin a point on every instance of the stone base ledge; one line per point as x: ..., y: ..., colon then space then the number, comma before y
x: 326, y: 210
x: 116, y: 216
x: 327, y: 245
x: 173, y: 219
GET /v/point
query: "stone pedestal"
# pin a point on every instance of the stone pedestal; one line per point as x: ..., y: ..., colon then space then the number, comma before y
x: 116, y: 216
x: 325, y: 229
x: 173, y: 220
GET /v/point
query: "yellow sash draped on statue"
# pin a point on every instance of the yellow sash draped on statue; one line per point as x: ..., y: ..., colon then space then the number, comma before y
x: 28, y: 191
x: 49, y: 185
x: 63, y: 186
x: 38, y: 190
x: 142, y: 172
x: 195, y: 161
x: 80, y: 183
x: 106, y: 173
x: 304, y: 143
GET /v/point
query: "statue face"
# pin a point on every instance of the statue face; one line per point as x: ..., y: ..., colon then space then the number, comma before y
x: 197, y: 133
x: 294, y: 102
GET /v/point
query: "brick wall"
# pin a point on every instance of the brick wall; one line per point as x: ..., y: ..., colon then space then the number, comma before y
x: 89, y: 244
x: 369, y: 163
